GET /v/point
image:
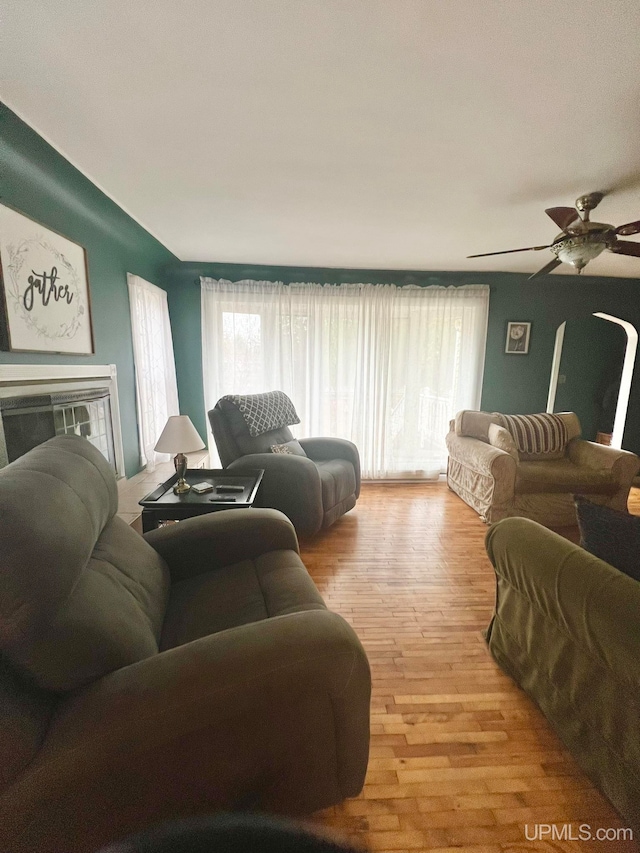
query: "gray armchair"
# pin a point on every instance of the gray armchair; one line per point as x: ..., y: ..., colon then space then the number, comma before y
x: 193, y: 670
x: 313, y: 484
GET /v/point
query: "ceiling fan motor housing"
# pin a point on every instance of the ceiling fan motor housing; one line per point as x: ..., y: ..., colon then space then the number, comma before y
x: 578, y: 249
x: 589, y: 201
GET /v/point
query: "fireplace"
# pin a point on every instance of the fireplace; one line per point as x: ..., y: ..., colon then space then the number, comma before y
x: 38, y: 402
x: 30, y: 420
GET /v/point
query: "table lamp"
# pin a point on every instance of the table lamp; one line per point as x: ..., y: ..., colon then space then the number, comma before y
x: 179, y: 436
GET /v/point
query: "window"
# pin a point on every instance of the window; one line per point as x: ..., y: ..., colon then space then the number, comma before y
x: 156, y: 388
x: 384, y: 366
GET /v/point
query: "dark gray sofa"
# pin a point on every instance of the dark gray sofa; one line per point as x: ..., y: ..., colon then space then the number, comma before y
x: 313, y: 490
x: 145, y: 679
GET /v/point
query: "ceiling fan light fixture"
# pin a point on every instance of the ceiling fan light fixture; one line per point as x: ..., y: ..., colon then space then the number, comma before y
x: 580, y: 239
x: 579, y: 250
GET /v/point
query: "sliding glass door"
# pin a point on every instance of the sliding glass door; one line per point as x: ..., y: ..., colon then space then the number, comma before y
x: 383, y: 366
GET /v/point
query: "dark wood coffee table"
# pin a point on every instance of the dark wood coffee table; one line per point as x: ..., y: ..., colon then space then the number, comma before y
x: 163, y: 505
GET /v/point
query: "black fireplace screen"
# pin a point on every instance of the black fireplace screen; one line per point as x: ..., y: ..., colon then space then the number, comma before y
x: 27, y: 421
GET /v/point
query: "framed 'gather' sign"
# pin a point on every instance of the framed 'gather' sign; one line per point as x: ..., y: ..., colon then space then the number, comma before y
x: 46, y: 305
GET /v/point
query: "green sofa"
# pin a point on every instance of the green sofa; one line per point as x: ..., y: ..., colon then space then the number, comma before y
x: 143, y: 679
x: 566, y: 628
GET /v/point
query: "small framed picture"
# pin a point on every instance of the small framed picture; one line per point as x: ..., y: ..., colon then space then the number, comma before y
x: 518, y: 338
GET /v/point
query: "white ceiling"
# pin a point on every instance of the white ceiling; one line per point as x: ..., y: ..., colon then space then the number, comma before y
x: 344, y: 133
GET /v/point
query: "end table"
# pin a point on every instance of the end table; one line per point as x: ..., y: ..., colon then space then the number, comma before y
x: 163, y: 505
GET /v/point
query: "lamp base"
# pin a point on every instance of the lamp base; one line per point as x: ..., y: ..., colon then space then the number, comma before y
x: 180, y: 462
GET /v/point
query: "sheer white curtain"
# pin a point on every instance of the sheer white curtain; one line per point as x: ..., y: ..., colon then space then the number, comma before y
x: 156, y: 388
x: 384, y: 366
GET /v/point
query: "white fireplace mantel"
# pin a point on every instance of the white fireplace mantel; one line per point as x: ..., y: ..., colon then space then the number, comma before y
x: 11, y: 374
x: 24, y: 379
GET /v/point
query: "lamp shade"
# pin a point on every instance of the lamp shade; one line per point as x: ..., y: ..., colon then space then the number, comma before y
x: 179, y: 436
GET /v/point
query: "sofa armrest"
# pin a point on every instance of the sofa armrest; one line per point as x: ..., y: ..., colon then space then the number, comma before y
x: 596, y: 606
x: 289, y: 465
x: 268, y: 716
x: 322, y: 449
x: 290, y: 483
x: 482, y: 458
x: 483, y: 475
x: 622, y: 463
x: 219, y: 539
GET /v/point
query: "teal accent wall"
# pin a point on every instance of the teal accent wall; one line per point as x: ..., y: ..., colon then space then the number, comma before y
x: 512, y: 383
x: 516, y: 383
x: 39, y: 182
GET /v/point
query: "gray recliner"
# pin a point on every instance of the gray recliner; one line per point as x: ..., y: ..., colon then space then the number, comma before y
x: 313, y: 484
x: 143, y: 679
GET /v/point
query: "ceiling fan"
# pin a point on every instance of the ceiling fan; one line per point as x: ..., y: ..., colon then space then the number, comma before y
x: 580, y: 240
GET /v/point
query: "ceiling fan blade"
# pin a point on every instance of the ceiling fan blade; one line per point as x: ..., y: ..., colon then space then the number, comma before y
x: 563, y: 216
x: 625, y: 247
x: 548, y: 268
x: 629, y: 228
x: 509, y: 251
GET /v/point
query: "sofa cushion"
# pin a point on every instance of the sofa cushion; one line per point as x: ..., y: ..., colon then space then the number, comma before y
x: 293, y: 447
x: 502, y: 439
x: 611, y: 535
x: 562, y: 475
x: 338, y: 480
x: 263, y: 443
x: 274, y: 584
x: 25, y: 712
x: 476, y: 424
x: 239, y: 431
x: 538, y: 436
x: 81, y: 593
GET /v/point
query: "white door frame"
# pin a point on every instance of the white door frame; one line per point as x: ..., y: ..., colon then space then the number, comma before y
x: 625, y: 379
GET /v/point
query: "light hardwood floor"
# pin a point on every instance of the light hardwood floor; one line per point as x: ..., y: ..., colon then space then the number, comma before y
x: 461, y: 759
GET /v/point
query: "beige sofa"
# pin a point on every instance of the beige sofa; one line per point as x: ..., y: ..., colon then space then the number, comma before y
x: 487, y: 472
x: 193, y: 670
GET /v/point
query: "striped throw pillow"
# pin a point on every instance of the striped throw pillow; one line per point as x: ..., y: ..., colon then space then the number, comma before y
x: 537, y: 434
